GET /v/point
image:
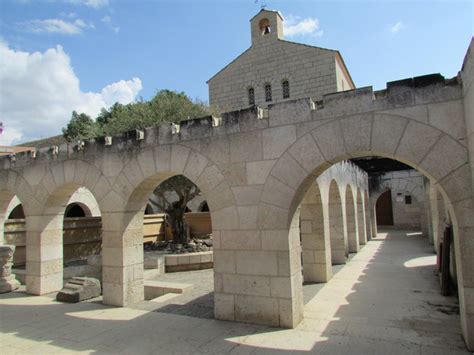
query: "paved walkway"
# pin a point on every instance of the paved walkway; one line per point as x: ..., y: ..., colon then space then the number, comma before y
x: 384, y: 301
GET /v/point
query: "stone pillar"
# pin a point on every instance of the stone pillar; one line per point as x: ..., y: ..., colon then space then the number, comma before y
x: 362, y: 216
x: 338, y: 236
x: 464, y: 255
x: 8, y: 282
x: 427, y: 206
x: 435, y: 203
x: 257, y: 274
x: 44, y: 253
x: 122, y: 258
x: 315, y: 238
x: 373, y: 217
x: 351, y: 222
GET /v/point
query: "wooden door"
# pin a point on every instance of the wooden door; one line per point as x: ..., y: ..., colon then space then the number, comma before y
x: 383, y: 209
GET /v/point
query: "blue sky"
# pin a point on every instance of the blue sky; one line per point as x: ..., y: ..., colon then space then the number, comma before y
x: 60, y: 55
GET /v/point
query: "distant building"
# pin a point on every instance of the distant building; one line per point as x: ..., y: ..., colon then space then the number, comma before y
x: 274, y: 70
x: 6, y: 150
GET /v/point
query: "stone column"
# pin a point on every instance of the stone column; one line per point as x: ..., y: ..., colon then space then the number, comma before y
x: 122, y: 258
x: 44, y: 253
x: 435, y: 205
x: 373, y: 224
x: 257, y: 273
x: 315, y: 238
x: 338, y: 234
x: 8, y: 282
x: 362, y: 216
x: 351, y: 222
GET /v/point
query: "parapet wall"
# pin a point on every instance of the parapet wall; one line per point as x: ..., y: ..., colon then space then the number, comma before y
x: 398, y: 94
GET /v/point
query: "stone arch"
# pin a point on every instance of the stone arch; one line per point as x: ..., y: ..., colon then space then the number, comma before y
x: 123, y: 209
x: 337, y: 228
x: 12, y: 185
x: 12, y: 219
x: 51, y: 185
x: 352, y: 222
x: 433, y: 152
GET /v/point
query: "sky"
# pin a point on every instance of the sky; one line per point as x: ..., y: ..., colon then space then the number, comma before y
x: 57, y: 56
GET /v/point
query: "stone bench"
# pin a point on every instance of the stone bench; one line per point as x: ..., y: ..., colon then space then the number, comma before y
x: 154, y: 289
x: 190, y: 261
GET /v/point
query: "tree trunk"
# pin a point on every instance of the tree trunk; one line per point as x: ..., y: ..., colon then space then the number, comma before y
x: 177, y: 222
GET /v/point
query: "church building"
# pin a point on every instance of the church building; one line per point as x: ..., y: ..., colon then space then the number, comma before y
x: 275, y: 70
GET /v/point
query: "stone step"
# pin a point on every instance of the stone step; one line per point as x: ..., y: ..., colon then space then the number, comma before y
x: 154, y: 289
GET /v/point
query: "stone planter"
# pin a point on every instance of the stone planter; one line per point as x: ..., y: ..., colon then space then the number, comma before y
x: 188, y: 262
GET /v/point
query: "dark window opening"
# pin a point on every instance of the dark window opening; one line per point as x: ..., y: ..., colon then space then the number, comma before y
x: 286, y: 89
x: 204, y: 207
x: 408, y: 200
x: 148, y: 209
x: 268, y: 92
x: 17, y: 213
x: 74, y: 210
x: 251, y: 95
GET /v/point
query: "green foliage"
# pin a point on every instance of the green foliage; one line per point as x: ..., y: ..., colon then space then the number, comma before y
x: 81, y: 126
x: 165, y: 106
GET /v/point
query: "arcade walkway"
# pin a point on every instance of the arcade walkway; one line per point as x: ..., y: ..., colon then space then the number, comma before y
x: 384, y: 301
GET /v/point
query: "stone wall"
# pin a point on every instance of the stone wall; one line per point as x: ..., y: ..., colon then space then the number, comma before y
x: 402, y: 184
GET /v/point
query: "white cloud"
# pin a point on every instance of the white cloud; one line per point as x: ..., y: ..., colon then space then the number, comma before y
x: 296, y: 26
x: 10, y: 136
x: 397, y: 27
x: 56, y: 26
x: 38, y: 92
x: 90, y: 3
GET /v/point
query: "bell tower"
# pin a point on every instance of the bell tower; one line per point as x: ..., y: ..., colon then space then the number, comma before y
x: 266, y: 26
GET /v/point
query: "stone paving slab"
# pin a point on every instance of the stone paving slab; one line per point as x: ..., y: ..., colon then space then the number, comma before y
x: 358, y: 312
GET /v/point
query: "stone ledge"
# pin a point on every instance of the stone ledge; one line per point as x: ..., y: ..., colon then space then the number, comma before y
x: 188, y: 262
x: 189, y: 258
x: 154, y: 289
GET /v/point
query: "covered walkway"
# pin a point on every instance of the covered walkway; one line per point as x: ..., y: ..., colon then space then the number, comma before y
x: 386, y: 300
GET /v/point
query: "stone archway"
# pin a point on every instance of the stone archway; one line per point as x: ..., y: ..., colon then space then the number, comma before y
x: 428, y: 149
x: 123, y: 210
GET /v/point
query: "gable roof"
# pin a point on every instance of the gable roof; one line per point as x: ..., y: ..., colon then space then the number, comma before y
x: 265, y: 10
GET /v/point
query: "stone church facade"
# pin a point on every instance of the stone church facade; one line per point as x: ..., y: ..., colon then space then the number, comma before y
x: 274, y: 70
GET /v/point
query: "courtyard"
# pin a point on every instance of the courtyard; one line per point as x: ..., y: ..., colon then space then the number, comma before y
x: 385, y: 300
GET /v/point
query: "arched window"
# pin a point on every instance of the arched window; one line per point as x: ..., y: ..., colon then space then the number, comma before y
x: 251, y: 95
x: 286, y: 89
x: 265, y: 26
x: 268, y: 92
